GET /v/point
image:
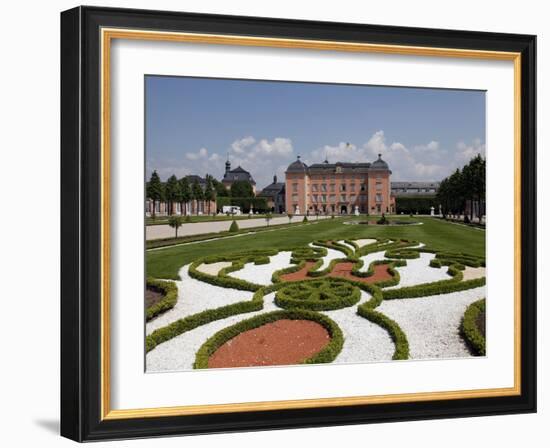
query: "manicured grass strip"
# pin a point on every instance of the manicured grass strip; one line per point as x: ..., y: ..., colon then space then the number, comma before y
x: 170, y: 292
x: 196, y: 320
x: 323, y: 295
x: 398, y: 336
x: 469, y: 329
x: 327, y: 354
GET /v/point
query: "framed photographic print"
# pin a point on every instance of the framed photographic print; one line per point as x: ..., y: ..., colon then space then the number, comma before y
x: 273, y: 223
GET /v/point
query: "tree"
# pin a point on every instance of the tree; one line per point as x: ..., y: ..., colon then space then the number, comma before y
x: 268, y: 217
x: 289, y: 216
x: 198, y: 194
x: 209, y: 194
x: 175, y: 222
x: 221, y: 191
x: 185, y: 193
x: 155, y: 190
x: 172, y: 192
x: 242, y: 189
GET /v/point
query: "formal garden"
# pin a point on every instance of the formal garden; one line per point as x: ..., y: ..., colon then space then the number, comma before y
x: 319, y: 292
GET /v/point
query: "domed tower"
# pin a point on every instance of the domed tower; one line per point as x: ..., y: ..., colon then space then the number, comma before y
x: 379, y: 186
x: 296, y: 181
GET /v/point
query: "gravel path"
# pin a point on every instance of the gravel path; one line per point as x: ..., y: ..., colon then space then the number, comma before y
x: 471, y: 273
x: 331, y: 255
x: 368, y: 259
x: 365, y: 242
x: 418, y: 270
x: 195, y: 296
x: 213, y: 268
x: 363, y: 340
x: 432, y: 323
x: 261, y: 274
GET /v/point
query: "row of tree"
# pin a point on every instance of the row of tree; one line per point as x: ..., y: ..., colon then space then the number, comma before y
x: 459, y: 192
x: 182, y: 191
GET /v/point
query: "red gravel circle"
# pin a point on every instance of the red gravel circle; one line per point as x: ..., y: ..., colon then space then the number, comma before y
x: 341, y: 270
x: 282, y: 342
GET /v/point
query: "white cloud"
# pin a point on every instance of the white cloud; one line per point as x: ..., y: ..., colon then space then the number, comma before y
x: 239, y: 146
x: 466, y: 152
x: 200, y: 154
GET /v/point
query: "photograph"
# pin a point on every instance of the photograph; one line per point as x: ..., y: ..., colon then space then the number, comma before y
x: 294, y: 223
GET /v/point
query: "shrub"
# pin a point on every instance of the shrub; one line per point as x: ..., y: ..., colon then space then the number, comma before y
x: 430, y: 289
x: 170, y: 292
x: 398, y: 336
x: 175, y: 222
x: 305, y: 219
x: 321, y: 295
x: 234, y: 227
x: 327, y: 353
x: 469, y: 329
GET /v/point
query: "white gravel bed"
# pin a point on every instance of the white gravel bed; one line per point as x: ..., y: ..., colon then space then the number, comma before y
x: 195, y: 296
x: 179, y: 353
x: 365, y: 242
x: 472, y: 273
x: 418, y: 270
x: 432, y: 323
x: 363, y: 340
x: 213, y: 268
x: 343, y: 243
x: 261, y: 274
x: 368, y: 259
x: 331, y: 255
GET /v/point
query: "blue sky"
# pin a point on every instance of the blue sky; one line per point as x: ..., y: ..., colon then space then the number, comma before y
x: 193, y: 124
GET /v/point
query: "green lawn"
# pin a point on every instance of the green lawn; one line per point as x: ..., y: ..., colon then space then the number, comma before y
x: 203, y: 218
x: 438, y: 234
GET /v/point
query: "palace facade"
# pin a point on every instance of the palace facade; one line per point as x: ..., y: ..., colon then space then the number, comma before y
x: 339, y: 188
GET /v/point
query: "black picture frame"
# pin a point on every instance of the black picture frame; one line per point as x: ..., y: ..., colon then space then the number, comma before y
x: 81, y: 224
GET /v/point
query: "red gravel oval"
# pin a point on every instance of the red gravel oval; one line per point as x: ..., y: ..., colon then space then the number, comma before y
x: 282, y: 342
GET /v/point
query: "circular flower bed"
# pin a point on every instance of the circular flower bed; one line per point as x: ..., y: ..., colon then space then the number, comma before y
x: 318, y: 295
x: 325, y: 349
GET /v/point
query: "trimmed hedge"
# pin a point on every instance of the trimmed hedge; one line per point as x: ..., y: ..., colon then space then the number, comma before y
x: 196, y: 320
x: 326, y: 355
x: 430, y: 289
x: 469, y: 330
x: 170, y: 292
x: 398, y: 336
x: 234, y: 227
x: 321, y: 295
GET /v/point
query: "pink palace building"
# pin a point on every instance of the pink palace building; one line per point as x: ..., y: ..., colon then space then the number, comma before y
x: 339, y: 188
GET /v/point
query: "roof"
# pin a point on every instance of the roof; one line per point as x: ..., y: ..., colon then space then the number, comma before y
x: 272, y: 189
x: 379, y: 164
x: 238, y: 174
x: 297, y: 167
x: 192, y: 178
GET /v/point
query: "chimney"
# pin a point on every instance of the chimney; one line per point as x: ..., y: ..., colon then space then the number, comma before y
x: 275, y: 179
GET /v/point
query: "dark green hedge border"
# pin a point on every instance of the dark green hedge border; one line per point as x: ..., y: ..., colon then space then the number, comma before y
x: 170, y: 292
x: 327, y: 354
x: 329, y: 295
x: 469, y: 330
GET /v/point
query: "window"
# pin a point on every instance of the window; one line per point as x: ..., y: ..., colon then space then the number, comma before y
x: 363, y: 187
x: 323, y: 187
x: 323, y: 198
x: 352, y: 198
x: 332, y: 198
x: 378, y: 186
x: 342, y: 187
x: 314, y: 198
x: 294, y: 198
x: 295, y: 187
x: 378, y: 197
x: 343, y: 198
x: 332, y: 187
x: 314, y: 187
x: 352, y: 187
x: 363, y: 198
